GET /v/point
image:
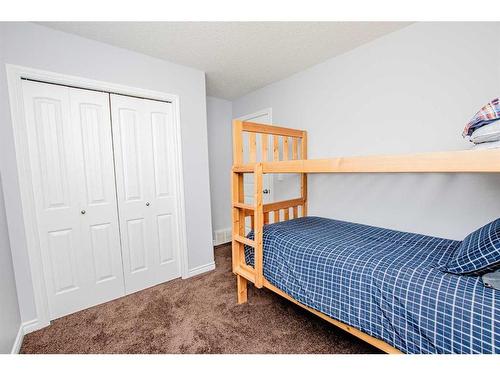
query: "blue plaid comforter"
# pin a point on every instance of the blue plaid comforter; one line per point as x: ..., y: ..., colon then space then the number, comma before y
x: 386, y: 283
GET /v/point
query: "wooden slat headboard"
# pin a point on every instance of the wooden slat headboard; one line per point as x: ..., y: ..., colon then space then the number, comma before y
x: 276, y: 144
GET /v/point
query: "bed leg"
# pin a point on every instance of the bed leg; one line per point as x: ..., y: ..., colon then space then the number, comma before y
x: 242, y: 289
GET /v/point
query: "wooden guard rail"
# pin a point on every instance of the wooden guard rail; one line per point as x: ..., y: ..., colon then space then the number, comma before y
x: 276, y: 208
x: 286, y: 144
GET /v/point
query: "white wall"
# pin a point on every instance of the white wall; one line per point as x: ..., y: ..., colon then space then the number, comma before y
x: 10, y: 319
x: 409, y: 91
x: 43, y: 48
x: 219, y: 116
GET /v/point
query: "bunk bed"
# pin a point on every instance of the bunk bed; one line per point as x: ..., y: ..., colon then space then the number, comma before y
x: 386, y: 287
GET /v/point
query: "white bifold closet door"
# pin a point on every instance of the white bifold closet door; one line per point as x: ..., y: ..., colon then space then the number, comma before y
x: 71, y: 157
x: 143, y: 134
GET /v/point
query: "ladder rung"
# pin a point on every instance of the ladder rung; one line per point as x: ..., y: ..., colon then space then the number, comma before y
x: 244, y: 206
x: 244, y: 240
x: 247, y: 272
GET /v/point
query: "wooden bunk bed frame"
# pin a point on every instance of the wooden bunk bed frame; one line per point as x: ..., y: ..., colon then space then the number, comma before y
x: 291, y: 157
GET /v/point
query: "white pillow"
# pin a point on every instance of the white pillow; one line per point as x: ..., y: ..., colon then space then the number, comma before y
x: 486, y: 133
x: 486, y: 145
x: 492, y: 279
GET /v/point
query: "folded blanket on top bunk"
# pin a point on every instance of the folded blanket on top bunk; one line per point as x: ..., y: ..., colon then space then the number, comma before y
x: 388, y: 284
x: 486, y: 115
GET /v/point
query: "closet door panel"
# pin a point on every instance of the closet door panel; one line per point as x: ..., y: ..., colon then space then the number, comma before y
x: 61, y: 246
x: 56, y: 194
x: 143, y: 136
x: 163, y: 204
x: 95, y: 144
x: 71, y: 164
x: 98, y: 212
x: 103, y: 243
x: 133, y: 176
x: 137, y: 245
x: 50, y: 141
x: 161, y: 138
x: 166, y: 238
x: 130, y: 154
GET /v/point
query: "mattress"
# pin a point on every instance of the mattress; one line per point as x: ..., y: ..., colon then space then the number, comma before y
x: 386, y: 283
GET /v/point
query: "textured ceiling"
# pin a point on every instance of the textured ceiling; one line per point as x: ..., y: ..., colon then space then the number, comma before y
x: 238, y: 57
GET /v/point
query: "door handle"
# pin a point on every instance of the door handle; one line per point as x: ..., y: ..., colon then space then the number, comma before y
x: 266, y: 191
x: 147, y: 204
x: 83, y: 212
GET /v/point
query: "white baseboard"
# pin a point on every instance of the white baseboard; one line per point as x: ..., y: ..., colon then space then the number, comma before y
x: 33, y: 325
x: 200, y: 269
x: 24, y: 329
x: 222, y: 236
x: 16, y: 347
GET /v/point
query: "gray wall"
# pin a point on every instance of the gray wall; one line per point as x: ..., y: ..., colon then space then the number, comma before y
x: 219, y: 112
x: 409, y: 91
x: 10, y: 319
x: 39, y: 47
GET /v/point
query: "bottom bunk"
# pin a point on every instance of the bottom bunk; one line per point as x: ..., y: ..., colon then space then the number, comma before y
x: 386, y: 284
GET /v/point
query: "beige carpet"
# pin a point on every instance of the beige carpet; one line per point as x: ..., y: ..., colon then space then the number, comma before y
x: 198, y: 315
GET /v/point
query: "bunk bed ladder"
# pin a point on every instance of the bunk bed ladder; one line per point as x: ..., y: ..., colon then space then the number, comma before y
x: 258, y: 211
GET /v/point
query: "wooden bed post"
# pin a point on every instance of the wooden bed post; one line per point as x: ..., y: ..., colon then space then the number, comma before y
x: 259, y: 226
x: 238, y: 214
x: 303, y: 179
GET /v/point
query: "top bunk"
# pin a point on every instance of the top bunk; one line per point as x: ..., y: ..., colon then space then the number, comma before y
x: 288, y: 154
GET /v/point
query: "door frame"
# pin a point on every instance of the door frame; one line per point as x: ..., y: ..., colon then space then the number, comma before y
x: 15, y: 74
